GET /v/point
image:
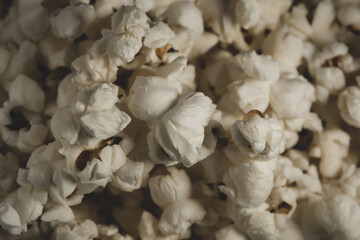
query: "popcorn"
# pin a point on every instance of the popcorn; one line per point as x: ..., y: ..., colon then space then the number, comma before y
x: 214, y: 91
x: 347, y: 105
x: 248, y: 184
x: 164, y: 147
x: 34, y: 22
x: 9, y: 164
x: 33, y: 99
x: 170, y: 188
x: 20, y: 128
x: 180, y: 215
x: 258, y: 136
x: 151, y: 97
x: 78, y: 17
x: 128, y: 27
x: 291, y: 98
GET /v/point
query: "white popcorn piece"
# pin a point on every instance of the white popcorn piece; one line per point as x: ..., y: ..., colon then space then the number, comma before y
x: 95, y: 65
x: 179, y: 135
x: 34, y: 22
x: 338, y: 215
x: 72, y: 21
x: 22, y: 61
x: 247, y: 13
x: 284, y: 47
x: 128, y: 27
x: 258, y: 136
x: 21, y: 208
x: 250, y: 94
x: 180, y: 215
x: 57, y: 52
x: 95, y: 108
x: 158, y: 36
x: 229, y: 233
x: 291, y: 230
x: 322, y: 29
x: 85, y: 230
x: 285, y: 173
x: 260, y: 225
x: 258, y: 66
x: 248, y: 184
x: 151, y: 97
x: 5, y: 57
x: 166, y: 189
x: 9, y: 165
x: 20, y: 128
x: 94, y: 167
x: 348, y: 105
x: 148, y: 226
x: 349, y: 15
x: 185, y: 14
x: 334, y: 146
x: 105, y: 8
x: 292, y: 98
x: 25, y: 92
x: 129, y: 177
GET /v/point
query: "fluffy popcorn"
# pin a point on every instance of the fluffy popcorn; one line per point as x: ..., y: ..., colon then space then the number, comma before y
x: 22, y: 61
x: 179, y: 135
x: 186, y: 15
x: 165, y: 189
x: 94, y: 167
x: 128, y: 27
x: 258, y: 136
x: 338, y: 216
x: 180, y: 215
x: 229, y: 232
x: 292, y: 98
x: 258, y: 66
x: 333, y: 145
x: 78, y: 17
x: 151, y: 97
x: 216, y: 91
x: 158, y: 35
x: 9, y: 164
x: 284, y: 47
x: 248, y: 184
x: 25, y: 92
x: 348, y: 105
x: 96, y: 111
x: 21, y: 208
x: 20, y: 128
x: 34, y: 22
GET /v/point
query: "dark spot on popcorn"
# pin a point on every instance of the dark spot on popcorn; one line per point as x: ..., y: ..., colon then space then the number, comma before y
x: 253, y: 113
x: 333, y: 62
x: 259, y: 52
x: 92, y: 2
x: 122, y: 78
x: 223, y: 141
x: 247, y: 37
x: 285, y: 208
x: 163, y: 152
x: 272, y: 210
x: 211, y: 186
x: 267, y: 32
x: 85, y: 157
x: 82, y: 37
x: 222, y: 196
x: 113, y: 141
x: 161, y: 51
x: 305, y: 140
x: 215, y: 131
x: 18, y: 120
x: 354, y: 30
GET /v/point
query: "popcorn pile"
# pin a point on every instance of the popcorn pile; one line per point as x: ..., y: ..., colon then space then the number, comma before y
x: 180, y: 119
